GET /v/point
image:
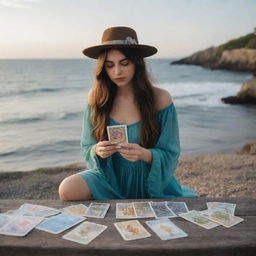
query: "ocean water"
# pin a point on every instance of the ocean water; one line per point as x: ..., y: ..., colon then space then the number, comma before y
x: 42, y: 103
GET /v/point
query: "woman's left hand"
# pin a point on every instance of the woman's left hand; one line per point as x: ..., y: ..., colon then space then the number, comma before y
x: 134, y: 152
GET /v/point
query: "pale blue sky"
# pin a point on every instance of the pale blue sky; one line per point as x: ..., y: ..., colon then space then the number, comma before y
x: 62, y: 28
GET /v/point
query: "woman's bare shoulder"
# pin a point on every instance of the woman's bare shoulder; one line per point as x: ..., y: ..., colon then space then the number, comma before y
x: 90, y: 97
x: 163, y: 98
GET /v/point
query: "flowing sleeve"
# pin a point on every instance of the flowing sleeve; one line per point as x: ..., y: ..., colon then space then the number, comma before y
x: 88, y: 143
x: 165, y: 154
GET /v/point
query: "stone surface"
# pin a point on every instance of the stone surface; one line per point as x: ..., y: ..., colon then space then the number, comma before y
x: 220, y: 241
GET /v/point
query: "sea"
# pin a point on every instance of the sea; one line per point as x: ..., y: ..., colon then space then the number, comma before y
x: 42, y: 103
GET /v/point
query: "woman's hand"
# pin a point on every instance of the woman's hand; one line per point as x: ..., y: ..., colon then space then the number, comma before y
x: 134, y: 152
x: 105, y: 149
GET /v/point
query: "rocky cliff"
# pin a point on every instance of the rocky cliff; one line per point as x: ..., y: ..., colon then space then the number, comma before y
x: 237, y: 59
x: 238, y: 54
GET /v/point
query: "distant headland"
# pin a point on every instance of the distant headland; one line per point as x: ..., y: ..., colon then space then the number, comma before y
x: 238, y: 54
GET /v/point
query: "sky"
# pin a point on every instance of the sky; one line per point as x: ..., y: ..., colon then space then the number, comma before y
x: 63, y: 28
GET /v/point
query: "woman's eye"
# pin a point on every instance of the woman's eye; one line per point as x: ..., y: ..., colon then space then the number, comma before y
x: 125, y: 63
x: 108, y: 66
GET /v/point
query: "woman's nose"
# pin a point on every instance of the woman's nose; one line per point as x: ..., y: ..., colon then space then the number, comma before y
x: 117, y: 70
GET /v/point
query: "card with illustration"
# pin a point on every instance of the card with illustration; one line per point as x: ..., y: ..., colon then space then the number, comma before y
x: 143, y: 210
x: 177, y: 207
x: 221, y: 217
x: 20, y: 225
x: 166, y: 229
x: 77, y: 210
x: 131, y: 230
x: 117, y: 133
x: 161, y: 210
x: 195, y: 217
x: 227, y: 207
x: 60, y: 223
x: 85, y: 232
x: 5, y: 219
x: 125, y: 211
x: 36, y: 210
x: 97, y: 210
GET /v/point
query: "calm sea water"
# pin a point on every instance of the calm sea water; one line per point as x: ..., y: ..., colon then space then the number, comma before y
x: 42, y: 102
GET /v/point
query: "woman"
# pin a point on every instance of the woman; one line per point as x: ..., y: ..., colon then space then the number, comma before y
x: 123, y: 94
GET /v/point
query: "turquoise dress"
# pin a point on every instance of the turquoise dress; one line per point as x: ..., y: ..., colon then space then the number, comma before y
x: 117, y: 178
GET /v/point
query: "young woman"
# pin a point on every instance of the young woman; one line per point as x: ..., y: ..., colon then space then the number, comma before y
x: 123, y: 94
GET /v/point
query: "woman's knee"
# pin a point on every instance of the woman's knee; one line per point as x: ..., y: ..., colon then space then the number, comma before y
x: 74, y: 188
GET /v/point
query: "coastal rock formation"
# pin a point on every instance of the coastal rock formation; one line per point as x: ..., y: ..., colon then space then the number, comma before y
x: 246, y: 95
x: 249, y: 149
x: 237, y: 54
x: 236, y: 59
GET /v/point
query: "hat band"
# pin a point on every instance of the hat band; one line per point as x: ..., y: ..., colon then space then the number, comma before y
x: 128, y: 40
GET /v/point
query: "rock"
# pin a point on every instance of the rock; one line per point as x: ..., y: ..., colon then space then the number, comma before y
x: 249, y: 149
x: 236, y: 59
x: 246, y: 95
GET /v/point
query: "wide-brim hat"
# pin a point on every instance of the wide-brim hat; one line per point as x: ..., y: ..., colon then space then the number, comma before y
x: 119, y: 37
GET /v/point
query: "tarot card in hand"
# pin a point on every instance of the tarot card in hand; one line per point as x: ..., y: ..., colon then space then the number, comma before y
x: 195, y: 217
x: 97, y: 210
x: 36, y: 210
x: 125, y: 211
x: 117, y: 133
x: 77, y: 210
x: 221, y: 217
x: 227, y: 207
x: 143, y: 210
x: 131, y: 230
x: 85, y: 232
x: 161, y: 210
x: 20, y: 225
x: 177, y: 207
x: 166, y: 229
x: 60, y: 223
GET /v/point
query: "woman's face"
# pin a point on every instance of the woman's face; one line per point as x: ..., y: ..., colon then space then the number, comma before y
x: 119, y: 68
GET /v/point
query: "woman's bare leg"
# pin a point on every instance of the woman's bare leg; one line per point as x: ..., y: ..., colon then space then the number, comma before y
x: 74, y: 187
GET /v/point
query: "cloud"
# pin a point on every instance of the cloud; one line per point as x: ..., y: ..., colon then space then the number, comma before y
x: 18, y: 3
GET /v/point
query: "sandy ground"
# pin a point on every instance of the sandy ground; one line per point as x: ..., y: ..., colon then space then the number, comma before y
x: 209, y: 175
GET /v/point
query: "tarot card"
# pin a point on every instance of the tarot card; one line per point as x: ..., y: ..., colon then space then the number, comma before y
x: 85, y: 232
x: 227, y: 207
x: 117, y: 133
x: 143, y: 210
x: 195, y: 217
x: 161, y: 210
x: 131, y: 230
x: 177, y: 207
x: 125, y: 211
x: 20, y: 226
x: 97, y: 210
x: 5, y: 219
x: 60, y: 223
x: 166, y: 229
x: 36, y: 210
x: 77, y: 210
x: 221, y: 217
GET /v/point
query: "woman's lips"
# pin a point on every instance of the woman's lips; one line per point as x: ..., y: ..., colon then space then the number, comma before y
x: 120, y: 78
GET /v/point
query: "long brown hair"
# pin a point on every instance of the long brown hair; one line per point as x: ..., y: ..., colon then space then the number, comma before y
x: 104, y: 92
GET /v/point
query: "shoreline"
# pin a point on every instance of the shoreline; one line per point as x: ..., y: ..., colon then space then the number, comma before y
x: 218, y: 175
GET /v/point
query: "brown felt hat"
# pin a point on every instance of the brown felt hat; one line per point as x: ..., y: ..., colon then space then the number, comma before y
x: 119, y: 37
